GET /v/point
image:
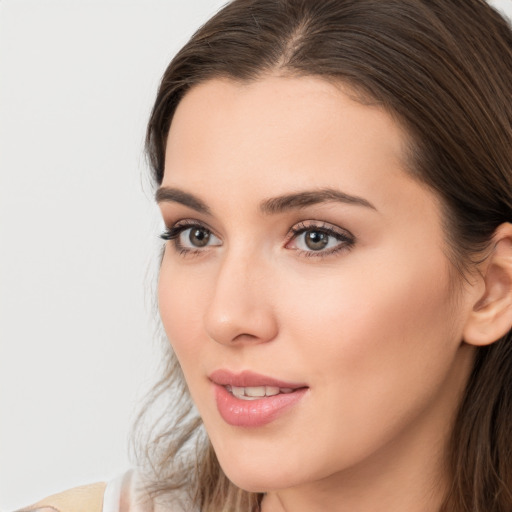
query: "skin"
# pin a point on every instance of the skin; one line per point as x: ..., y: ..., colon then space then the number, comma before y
x: 373, y: 329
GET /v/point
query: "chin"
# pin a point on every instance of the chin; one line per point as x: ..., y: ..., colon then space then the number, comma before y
x: 262, y: 473
x: 258, y: 479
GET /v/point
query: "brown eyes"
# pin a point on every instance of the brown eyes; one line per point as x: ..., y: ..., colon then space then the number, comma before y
x: 319, y: 239
x: 198, y: 237
x: 315, y: 240
x: 190, y: 236
x: 308, y: 238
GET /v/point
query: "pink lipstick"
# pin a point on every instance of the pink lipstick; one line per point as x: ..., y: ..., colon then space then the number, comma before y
x: 248, y: 399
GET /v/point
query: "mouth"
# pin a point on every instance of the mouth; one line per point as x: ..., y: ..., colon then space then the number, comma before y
x: 248, y: 399
x: 256, y: 392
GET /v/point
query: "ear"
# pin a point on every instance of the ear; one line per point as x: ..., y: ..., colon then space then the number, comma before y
x: 491, y: 316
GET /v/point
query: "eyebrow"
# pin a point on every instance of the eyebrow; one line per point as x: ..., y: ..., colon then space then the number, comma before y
x: 307, y: 198
x: 175, y: 195
x: 272, y: 206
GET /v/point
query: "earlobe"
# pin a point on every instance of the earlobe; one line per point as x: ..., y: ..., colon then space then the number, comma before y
x: 491, y: 316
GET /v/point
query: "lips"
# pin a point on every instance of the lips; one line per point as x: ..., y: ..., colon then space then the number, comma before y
x: 250, y: 379
x: 248, y: 399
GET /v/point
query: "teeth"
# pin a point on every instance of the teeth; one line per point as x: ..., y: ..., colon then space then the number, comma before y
x: 255, y: 392
x: 271, y: 390
x: 238, y: 392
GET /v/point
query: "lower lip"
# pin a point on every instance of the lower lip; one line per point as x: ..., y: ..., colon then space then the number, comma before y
x: 254, y: 413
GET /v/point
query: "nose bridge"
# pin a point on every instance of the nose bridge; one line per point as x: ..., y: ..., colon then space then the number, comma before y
x: 241, y: 305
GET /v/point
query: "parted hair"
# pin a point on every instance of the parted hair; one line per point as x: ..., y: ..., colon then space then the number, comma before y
x: 443, y: 70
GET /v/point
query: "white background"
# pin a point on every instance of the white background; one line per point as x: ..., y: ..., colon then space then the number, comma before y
x: 78, y: 231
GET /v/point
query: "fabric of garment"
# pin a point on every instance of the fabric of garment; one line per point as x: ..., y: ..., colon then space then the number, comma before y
x: 127, y: 493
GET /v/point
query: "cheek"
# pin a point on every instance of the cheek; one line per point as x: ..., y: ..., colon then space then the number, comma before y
x: 341, y: 311
x: 370, y: 336
x: 376, y: 348
x: 181, y: 310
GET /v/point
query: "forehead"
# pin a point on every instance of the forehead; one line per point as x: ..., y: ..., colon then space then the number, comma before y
x: 281, y: 125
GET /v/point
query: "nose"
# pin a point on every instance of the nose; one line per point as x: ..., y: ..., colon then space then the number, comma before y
x: 241, y: 310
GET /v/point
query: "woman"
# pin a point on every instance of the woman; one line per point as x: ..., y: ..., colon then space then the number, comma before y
x: 335, y: 180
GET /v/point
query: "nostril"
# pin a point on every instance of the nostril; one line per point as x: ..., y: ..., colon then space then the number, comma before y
x: 245, y: 337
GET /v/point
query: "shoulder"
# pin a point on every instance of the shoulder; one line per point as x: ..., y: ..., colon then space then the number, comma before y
x: 87, y: 498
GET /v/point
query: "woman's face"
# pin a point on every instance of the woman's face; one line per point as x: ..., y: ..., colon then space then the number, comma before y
x: 305, y: 264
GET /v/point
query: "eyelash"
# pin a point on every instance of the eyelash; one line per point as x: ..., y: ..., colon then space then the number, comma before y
x: 346, y: 239
x: 173, y: 234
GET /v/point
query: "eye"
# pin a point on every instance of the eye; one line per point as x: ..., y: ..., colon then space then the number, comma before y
x: 313, y: 239
x: 190, y: 237
x: 195, y: 237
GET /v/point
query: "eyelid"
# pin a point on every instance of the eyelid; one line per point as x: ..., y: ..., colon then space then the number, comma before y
x: 173, y: 234
x: 319, y: 225
x: 182, y: 224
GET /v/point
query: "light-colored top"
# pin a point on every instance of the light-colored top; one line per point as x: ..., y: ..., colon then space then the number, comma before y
x: 127, y: 493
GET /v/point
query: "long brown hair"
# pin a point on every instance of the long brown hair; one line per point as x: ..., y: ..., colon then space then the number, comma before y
x: 443, y: 69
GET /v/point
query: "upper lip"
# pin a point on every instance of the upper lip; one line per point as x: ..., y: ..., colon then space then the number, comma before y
x: 249, y: 379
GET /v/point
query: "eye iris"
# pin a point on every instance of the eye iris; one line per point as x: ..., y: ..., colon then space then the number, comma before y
x: 199, y: 237
x: 316, y: 240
